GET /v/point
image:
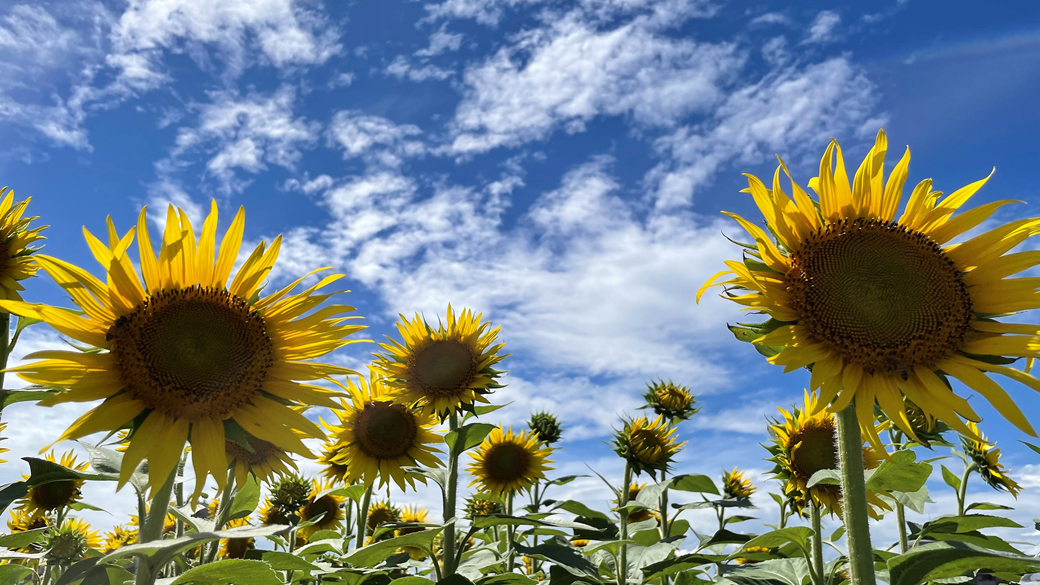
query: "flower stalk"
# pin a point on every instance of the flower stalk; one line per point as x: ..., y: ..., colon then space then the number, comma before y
x: 449, y: 502
x: 622, y: 565
x: 854, y: 497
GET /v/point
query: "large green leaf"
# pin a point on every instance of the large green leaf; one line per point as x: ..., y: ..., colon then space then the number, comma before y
x: 942, y: 560
x: 373, y: 554
x: 901, y: 472
x: 23, y: 539
x: 725, y: 537
x: 485, y: 522
x: 640, y: 557
x: 14, y: 574
x: 913, y: 500
x: 571, y: 560
x: 794, y: 571
x: 579, y: 509
x: 234, y: 571
x: 508, y: 579
x: 694, y: 482
x: 679, y: 564
x: 89, y: 572
x: 283, y: 561
x: 799, y: 535
x: 246, y: 499
x: 467, y: 436
x: 162, y: 551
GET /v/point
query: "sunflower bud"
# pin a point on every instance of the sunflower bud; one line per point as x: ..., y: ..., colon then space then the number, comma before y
x: 483, y: 504
x: 986, y: 458
x: 545, y: 425
x: 70, y: 541
x: 735, y: 486
x: 290, y: 493
x: 647, y: 446
x: 670, y: 400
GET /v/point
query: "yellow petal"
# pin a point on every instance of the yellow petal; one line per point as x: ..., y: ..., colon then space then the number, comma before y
x: 229, y: 248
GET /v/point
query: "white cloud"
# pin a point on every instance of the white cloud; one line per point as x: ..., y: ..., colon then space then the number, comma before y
x: 823, y: 27
x: 402, y: 68
x: 376, y: 139
x: 569, y: 73
x: 483, y: 11
x: 770, y: 18
x: 441, y: 41
x: 775, y: 52
x: 788, y: 109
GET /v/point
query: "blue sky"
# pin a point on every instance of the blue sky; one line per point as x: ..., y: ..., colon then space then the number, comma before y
x: 558, y: 166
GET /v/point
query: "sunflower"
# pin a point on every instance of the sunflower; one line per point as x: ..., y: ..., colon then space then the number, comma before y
x: 330, y: 451
x: 670, y: 400
x: 23, y: 521
x: 881, y: 307
x: 16, y: 261
x: 263, y: 459
x: 414, y: 515
x: 986, y: 458
x: 483, y: 504
x: 760, y: 550
x: 378, y: 435
x: 320, y: 503
x: 804, y: 443
x: 271, y: 514
x: 647, y: 446
x: 118, y: 538
x: 188, y: 350
x: 290, y: 493
x: 641, y: 515
x: 55, y: 495
x: 444, y: 369
x: 579, y: 542
x: 236, y: 548
x: 169, y: 523
x: 71, y: 541
x: 734, y: 485
x: 381, y: 513
x: 508, y: 462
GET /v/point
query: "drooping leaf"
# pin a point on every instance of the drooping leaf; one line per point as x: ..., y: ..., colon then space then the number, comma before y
x: 373, y: 554
x: 579, y: 509
x: 12, y: 492
x: 23, y: 539
x: 467, y: 436
x: 568, y: 558
x: 230, y: 571
x: 246, y: 499
x: 798, y: 535
x: 949, y: 559
x: 564, y: 480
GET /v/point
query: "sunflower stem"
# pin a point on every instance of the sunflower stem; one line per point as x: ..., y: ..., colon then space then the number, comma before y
x: 622, y: 565
x: 962, y: 491
x: 6, y: 346
x: 901, y: 519
x: 817, y: 542
x: 663, y: 506
x: 510, y: 535
x: 151, y: 528
x: 362, y: 519
x: 854, y: 497
x: 449, y: 502
x: 222, y: 513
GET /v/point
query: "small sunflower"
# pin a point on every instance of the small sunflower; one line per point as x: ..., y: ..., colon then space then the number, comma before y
x: 71, y: 541
x: 379, y: 435
x: 445, y: 369
x: 804, y: 443
x: 638, y: 515
x: 414, y: 515
x: 236, y: 548
x: 734, y: 485
x: 751, y: 549
x: 23, y: 521
x: 56, y: 495
x: 546, y: 426
x: 169, y: 523
x: 508, y: 462
x: 186, y: 349
x: 881, y: 307
x: 16, y: 261
x: 579, y: 542
x: 317, y: 504
x: 986, y: 458
x: 381, y: 513
x: 271, y: 515
x: 647, y: 446
x: 330, y: 451
x: 670, y: 400
x: 483, y: 504
x: 119, y: 537
x: 264, y: 461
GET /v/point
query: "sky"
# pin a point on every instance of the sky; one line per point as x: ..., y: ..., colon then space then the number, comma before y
x: 559, y: 167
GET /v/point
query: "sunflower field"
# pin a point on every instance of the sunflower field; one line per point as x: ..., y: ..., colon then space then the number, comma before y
x: 200, y: 390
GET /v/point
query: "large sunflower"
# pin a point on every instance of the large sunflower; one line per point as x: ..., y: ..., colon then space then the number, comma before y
x: 508, y: 462
x: 444, y: 369
x: 379, y: 435
x: 882, y: 307
x: 55, y: 495
x: 187, y: 350
x: 986, y: 458
x: 804, y: 443
x: 16, y: 261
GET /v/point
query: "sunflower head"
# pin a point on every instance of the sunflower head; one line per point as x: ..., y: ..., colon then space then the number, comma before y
x: 330, y: 451
x: 187, y: 350
x: 508, y: 462
x: 290, y: 493
x: 734, y: 485
x: 648, y: 446
x: 56, y: 495
x: 546, y: 426
x: 379, y: 435
x: 16, y: 251
x: 670, y: 400
x: 262, y: 459
x: 271, y: 515
x: 22, y: 521
x: 381, y: 513
x: 986, y: 457
x: 417, y: 515
x: 319, y: 503
x: 236, y: 548
x: 169, y: 523
x: 71, y: 541
x: 442, y: 369
x: 483, y: 504
x: 882, y: 306
x: 119, y: 537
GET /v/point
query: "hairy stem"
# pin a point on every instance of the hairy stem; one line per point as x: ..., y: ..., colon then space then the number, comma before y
x: 362, y: 519
x: 817, y: 541
x: 449, y: 503
x: 622, y: 565
x: 854, y: 497
x: 962, y: 493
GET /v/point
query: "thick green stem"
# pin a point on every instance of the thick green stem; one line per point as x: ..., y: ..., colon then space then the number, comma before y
x: 901, y: 519
x: 663, y: 509
x: 962, y: 492
x: 151, y: 528
x: 622, y: 565
x: 817, y: 542
x: 449, y: 503
x: 510, y: 535
x: 362, y: 519
x: 854, y: 497
x: 223, y: 509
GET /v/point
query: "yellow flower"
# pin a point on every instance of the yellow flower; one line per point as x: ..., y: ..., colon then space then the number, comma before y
x: 416, y: 515
x: 71, y: 541
x: 187, y: 349
x: 670, y: 400
x: 507, y: 462
x: 330, y: 451
x: 378, y: 436
x: 271, y: 514
x: 986, y: 458
x: 16, y: 261
x: 169, y: 523
x: 118, y: 538
x: 265, y: 461
x: 751, y: 549
x: 56, y: 495
x: 23, y: 521
x: 638, y: 515
x: 883, y: 306
x: 735, y: 486
x: 381, y: 513
x: 647, y: 445
x: 580, y: 542
x: 235, y: 548
x: 320, y: 503
x: 444, y: 369
x: 804, y: 443
x: 483, y: 504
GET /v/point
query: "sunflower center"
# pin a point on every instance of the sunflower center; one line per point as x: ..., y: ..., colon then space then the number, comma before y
x: 193, y: 352
x: 880, y: 295
x: 647, y: 445
x: 54, y: 495
x: 262, y: 451
x: 380, y: 516
x: 813, y: 450
x: 507, y: 462
x: 324, y: 505
x: 385, y: 430
x: 443, y: 368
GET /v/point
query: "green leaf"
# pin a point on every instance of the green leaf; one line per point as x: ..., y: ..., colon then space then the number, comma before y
x: 185, y: 514
x: 794, y: 571
x: 454, y: 580
x: 678, y: 528
x: 439, y: 475
x: 723, y: 503
x: 942, y: 560
x: 913, y: 500
x: 602, y: 529
x: 824, y: 477
x: 900, y: 472
x: 837, y: 534
x: 563, y: 480
x: 239, y: 571
x: 23, y: 539
x: 510, y: 579
x: 694, y: 482
x: 1031, y: 446
x: 12, y: 492
x: 107, y: 461
x: 725, y: 537
x: 679, y: 564
x: 569, y: 559
x: 799, y: 535
x: 42, y: 471
x: 32, y: 393
x: 483, y: 409
x: 283, y: 561
x: 14, y: 574
x: 579, y: 509
x: 373, y: 554
x: 467, y: 436
x: 986, y: 506
x: 162, y: 551
x: 951, y: 478
x: 968, y: 522
x: 745, y: 334
x: 354, y: 492
x: 246, y: 499
x: 735, y: 519
x: 485, y: 522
